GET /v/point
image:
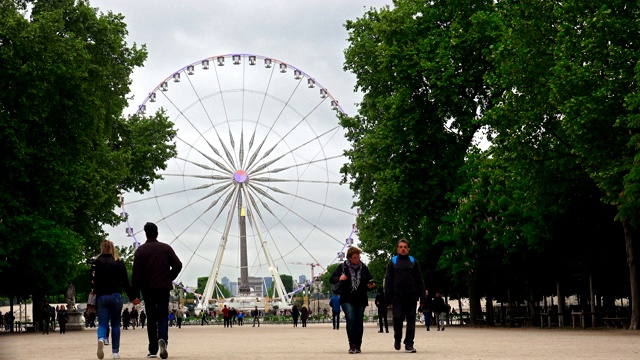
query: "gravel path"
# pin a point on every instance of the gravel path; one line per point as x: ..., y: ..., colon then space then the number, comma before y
x: 280, y: 342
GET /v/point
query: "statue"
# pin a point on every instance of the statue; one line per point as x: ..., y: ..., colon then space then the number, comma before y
x: 70, y: 297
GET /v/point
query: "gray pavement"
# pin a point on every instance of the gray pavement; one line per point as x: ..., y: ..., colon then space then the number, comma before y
x: 320, y: 340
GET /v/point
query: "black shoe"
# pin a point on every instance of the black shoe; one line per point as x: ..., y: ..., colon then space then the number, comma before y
x: 387, y: 331
x: 379, y: 331
x: 428, y: 329
x: 352, y: 349
x: 358, y: 351
x: 396, y: 345
x: 443, y: 328
x: 409, y: 349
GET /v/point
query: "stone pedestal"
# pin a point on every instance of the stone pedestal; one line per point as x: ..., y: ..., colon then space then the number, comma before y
x: 76, y: 321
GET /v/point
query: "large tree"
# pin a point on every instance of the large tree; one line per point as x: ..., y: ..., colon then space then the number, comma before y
x: 420, y: 66
x: 66, y: 148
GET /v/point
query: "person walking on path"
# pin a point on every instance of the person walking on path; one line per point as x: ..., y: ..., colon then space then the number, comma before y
x: 179, y: 316
x: 225, y: 316
x: 155, y: 266
x: 403, y: 286
x: 256, y: 316
x: 295, y: 314
x: 108, y: 278
x: 63, y: 319
x: 354, y: 299
x: 334, y: 302
x: 46, y: 315
x: 426, y: 309
x: 241, y: 318
x: 143, y: 318
x: 440, y: 309
x: 381, y: 303
x: 304, y: 315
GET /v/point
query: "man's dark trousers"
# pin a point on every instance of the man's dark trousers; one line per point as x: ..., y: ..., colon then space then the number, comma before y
x: 156, y: 304
x: 404, y: 310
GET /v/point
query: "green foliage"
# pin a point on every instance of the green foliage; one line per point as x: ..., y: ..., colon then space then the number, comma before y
x: 202, y: 283
x: 67, y: 150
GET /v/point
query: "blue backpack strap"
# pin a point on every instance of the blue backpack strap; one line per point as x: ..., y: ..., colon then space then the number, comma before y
x: 395, y: 259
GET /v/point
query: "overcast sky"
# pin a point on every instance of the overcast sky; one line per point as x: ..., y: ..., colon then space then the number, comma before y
x: 307, y: 34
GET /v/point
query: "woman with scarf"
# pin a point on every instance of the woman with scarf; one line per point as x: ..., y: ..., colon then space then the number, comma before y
x: 354, y: 299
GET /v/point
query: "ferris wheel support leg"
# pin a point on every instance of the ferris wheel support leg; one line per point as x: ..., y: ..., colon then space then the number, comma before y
x: 215, y: 269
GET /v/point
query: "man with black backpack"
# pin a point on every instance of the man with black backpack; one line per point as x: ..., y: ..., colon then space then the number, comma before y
x: 403, y: 286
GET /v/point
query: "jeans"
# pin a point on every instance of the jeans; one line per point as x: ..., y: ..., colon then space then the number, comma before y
x: 354, y: 316
x: 156, y: 304
x: 109, y: 310
x: 336, y: 320
x: 440, y: 316
x: 404, y: 310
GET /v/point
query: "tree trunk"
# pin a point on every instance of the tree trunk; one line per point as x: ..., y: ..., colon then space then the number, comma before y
x: 592, y: 300
x: 560, y: 304
x: 629, y: 239
x: 475, y: 309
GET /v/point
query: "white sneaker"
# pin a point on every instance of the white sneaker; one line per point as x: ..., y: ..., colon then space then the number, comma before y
x: 106, y: 341
x: 116, y: 355
x: 162, y: 349
x: 100, y: 349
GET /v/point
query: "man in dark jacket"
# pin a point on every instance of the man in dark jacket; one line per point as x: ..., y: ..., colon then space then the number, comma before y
x: 155, y: 266
x: 404, y: 285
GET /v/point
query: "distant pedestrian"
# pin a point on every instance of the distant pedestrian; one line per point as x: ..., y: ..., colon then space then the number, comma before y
x: 126, y: 319
x: 63, y: 319
x: 45, y: 314
x: 334, y: 302
x: 304, y: 315
x: 295, y: 314
x: 256, y: 316
x: 241, y: 318
x: 179, y: 316
x: 143, y: 318
x: 203, y: 318
x: 440, y: 310
x: 381, y: 303
x: 226, y: 316
x: 426, y: 309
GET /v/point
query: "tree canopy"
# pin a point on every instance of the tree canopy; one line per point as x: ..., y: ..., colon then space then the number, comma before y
x: 553, y: 87
x: 67, y: 149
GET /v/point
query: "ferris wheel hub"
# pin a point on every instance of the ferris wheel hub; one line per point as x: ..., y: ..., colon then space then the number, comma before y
x: 240, y: 176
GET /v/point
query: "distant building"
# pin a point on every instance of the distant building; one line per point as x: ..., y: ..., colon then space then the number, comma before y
x: 233, y: 288
x: 302, y: 279
x: 256, y: 286
x: 225, y: 281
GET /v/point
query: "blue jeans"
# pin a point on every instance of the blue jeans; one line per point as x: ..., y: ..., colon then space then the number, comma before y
x: 354, y: 316
x: 156, y: 304
x: 109, y: 309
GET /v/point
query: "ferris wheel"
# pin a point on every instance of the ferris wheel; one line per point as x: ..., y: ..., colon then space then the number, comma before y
x: 255, y: 186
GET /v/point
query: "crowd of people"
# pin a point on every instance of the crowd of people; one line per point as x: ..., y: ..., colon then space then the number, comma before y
x: 156, y: 266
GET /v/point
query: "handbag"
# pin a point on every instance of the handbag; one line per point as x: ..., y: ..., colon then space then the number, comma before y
x: 341, y: 286
x: 91, y: 303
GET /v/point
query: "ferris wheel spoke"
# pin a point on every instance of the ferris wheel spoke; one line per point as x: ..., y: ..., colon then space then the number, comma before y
x: 214, y: 161
x: 299, y: 216
x: 277, y: 170
x: 297, y: 148
x: 274, y: 189
x: 266, y: 179
x: 194, y: 127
